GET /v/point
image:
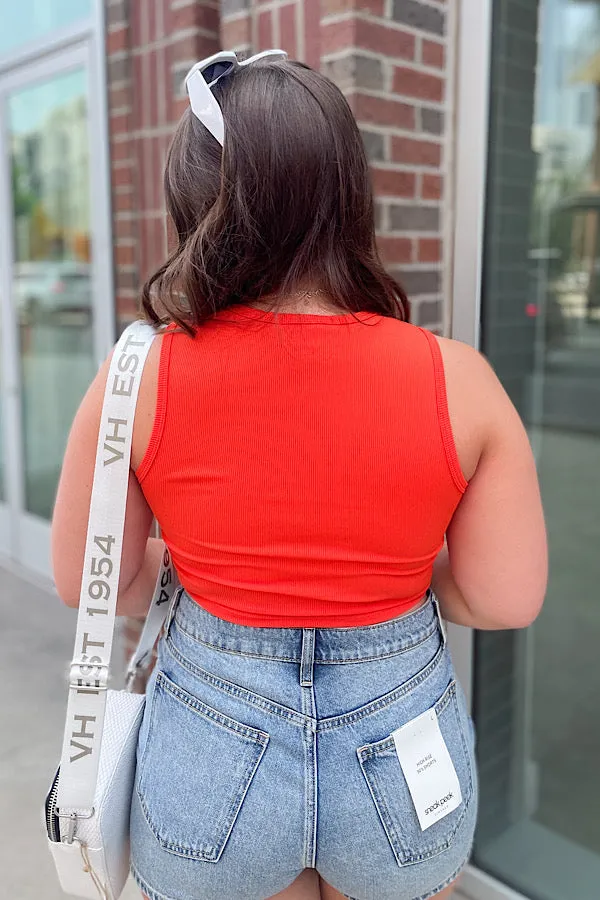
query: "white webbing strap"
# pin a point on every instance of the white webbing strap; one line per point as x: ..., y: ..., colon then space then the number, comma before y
x: 166, y: 585
x: 102, y: 563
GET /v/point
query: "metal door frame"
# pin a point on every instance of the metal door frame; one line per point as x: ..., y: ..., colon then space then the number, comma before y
x: 24, y: 537
x: 471, y: 123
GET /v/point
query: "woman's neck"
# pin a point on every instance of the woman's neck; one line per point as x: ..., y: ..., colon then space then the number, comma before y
x: 311, y: 301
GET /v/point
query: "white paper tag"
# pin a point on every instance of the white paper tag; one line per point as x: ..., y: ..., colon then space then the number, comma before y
x: 428, y: 768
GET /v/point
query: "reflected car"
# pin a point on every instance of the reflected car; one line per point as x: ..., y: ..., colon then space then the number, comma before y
x: 43, y: 290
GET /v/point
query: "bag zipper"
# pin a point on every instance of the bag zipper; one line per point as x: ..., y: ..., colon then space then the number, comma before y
x: 52, y: 820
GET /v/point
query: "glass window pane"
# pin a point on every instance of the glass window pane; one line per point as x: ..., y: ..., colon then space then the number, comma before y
x: 25, y: 20
x: 52, y: 288
x: 2, y: 491
x: 537, y: 691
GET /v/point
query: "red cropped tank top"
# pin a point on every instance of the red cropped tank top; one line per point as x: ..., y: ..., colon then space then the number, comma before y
x: 302, y: 467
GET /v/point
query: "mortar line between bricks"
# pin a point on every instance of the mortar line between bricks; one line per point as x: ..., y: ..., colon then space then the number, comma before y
x: 181, y: 4
x: 439, y: 5
x: 422, y: 266
x: 236, y: 16
x: 383, y: 165
x: 418, y: 266
x: 416, y: 197
x: 120, y: 85
x: 401, y: 61
x: 401, y: 132
x: 163, y: 43
x: 264, y: 7
x: 438, y: 106
x: 388, y: 24
x: 424, y: 298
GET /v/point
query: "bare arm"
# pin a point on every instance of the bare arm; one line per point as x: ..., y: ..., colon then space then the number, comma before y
x: 493, y: 572
x: 141, y: 554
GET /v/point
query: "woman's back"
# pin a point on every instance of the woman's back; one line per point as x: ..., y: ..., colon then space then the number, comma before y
x: 302, y: 467
x: 307, y: 471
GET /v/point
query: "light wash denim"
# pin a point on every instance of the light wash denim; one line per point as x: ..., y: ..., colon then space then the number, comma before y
x: 267, y: 750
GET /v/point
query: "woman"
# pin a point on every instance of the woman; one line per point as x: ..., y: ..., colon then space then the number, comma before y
x: 315, y: 464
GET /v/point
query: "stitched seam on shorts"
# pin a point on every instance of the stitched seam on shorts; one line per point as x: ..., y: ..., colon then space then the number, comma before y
x: 404, y: 857
x: 147, y: 890
x: 391, y: 697
x: 405, y: 616
x: 142, y: 759
x: 235, y: 690
x: 198, y: 640
x: 207, y: 712
x: 388, y: 743
x: 257, y: 741
x: 296, y: 718
x: 465, y: 746
x: 296, y: 659
x: 402, y: 617
x: 448, y: 881
x: 352, y: 661
x: 153, y: 895
x: 327, y: 724
x: 214, y: 854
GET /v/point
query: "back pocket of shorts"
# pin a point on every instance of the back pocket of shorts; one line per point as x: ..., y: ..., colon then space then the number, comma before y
x: 195, y: 770
x: 389, y: 790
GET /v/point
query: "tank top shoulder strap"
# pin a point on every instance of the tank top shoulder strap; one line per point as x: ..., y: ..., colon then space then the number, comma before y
x: 443, y: 413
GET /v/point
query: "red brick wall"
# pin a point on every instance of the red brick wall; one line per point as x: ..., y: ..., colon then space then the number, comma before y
x: 150, y: 45
x: 390, y: 58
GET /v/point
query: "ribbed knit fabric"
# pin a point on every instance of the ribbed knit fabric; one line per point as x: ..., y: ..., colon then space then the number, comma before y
x: 302, y: 467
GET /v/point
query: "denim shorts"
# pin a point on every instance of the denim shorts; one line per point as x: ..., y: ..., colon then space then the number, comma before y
x: 264, y: 751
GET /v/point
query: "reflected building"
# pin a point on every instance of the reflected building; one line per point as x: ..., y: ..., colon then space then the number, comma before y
x: 51, y: 163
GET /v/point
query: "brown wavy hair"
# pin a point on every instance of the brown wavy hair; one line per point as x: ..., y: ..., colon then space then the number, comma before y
x: 287, y: 202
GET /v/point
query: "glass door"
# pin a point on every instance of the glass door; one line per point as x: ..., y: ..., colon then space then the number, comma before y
x: 49, y: 289
x: 535, y: 693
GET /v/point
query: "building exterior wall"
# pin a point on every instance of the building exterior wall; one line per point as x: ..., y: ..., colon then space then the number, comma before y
x: 150, y: 46
x: 390, y: 57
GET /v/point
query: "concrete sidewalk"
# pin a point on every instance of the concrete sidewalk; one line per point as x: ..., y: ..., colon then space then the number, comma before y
x: 36, y: 641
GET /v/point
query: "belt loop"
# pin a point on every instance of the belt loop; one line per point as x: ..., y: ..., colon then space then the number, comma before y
x: 172, y: 610
x: 440, y: 619
x: 308, y: 657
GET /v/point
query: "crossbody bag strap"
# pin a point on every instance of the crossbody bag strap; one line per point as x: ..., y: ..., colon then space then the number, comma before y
x: 164, y: 593
x: 88, y: 677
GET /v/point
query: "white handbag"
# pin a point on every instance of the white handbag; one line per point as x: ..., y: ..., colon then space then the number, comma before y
x: 87, y: 808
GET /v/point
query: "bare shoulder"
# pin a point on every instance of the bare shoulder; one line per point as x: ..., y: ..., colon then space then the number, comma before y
x: 476, y: 400
x: 463, y: 362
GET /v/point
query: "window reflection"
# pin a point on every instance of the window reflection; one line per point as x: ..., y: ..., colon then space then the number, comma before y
x: 27, y: 20
x: 52, y: 286
x: 536, y: 692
